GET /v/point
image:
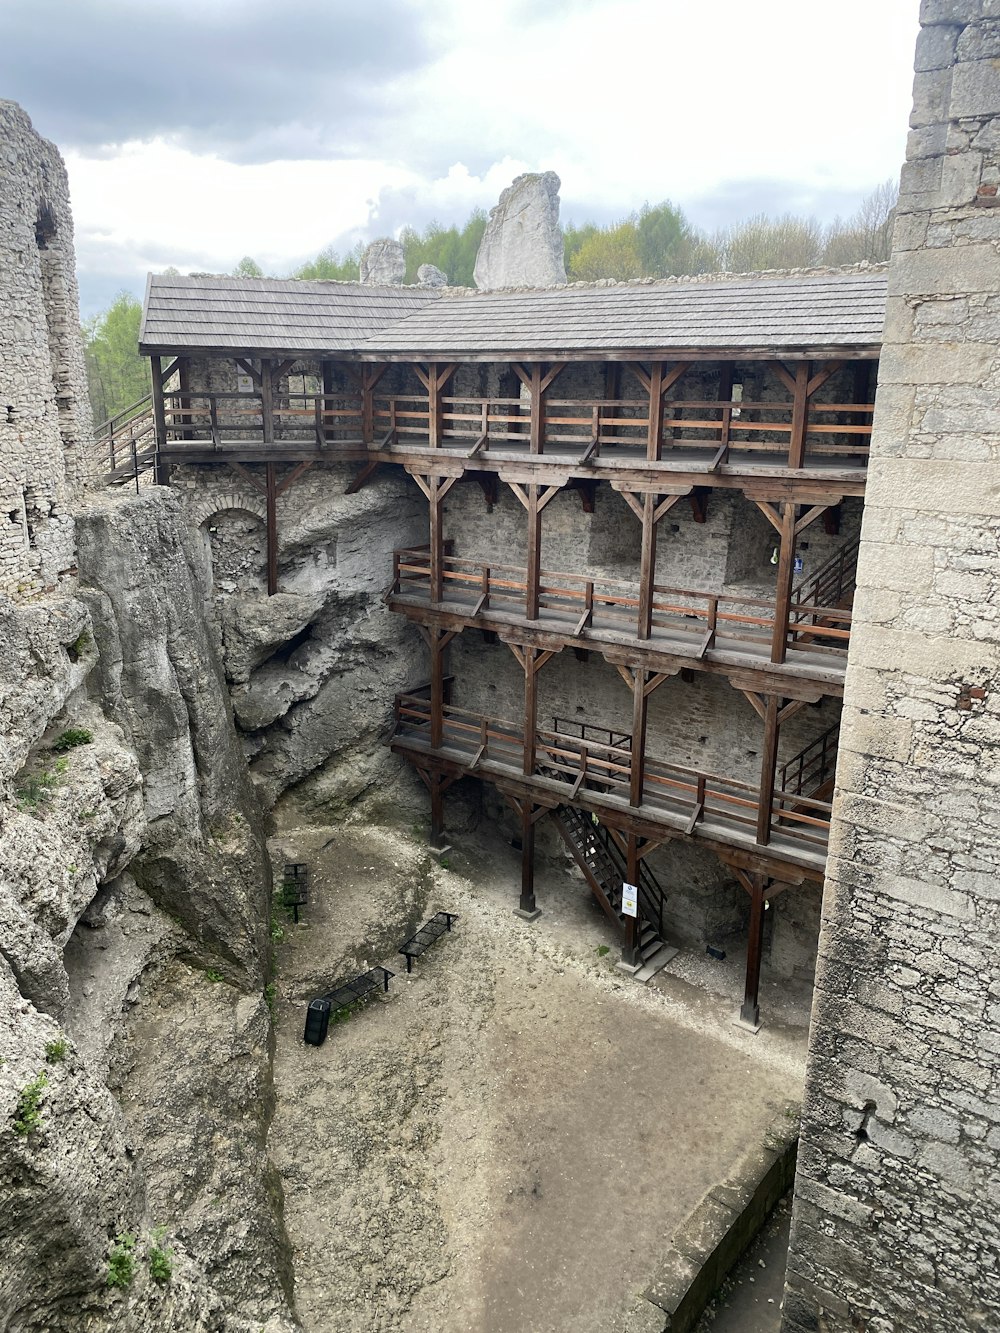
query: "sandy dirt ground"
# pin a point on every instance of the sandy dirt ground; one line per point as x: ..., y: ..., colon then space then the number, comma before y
x: 506, y: 1142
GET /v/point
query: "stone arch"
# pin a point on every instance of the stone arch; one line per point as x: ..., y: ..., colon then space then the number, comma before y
x: 211, y: 505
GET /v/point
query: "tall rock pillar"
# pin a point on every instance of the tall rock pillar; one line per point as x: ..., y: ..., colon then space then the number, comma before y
x: 896, y: 1222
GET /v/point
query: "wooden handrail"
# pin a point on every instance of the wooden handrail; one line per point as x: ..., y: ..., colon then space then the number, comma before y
x: 617, y: 598
x: 603, y: 764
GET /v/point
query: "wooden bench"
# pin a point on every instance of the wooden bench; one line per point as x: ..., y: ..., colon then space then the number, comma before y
x: 430, y: 931
x: 320, y: 1009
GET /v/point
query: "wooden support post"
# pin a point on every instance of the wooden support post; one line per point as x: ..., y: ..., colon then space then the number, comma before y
x: 271, y: 497
x: 750, y: 1010
x: 534, y: 545
x: 654, y: 435
x: 161, y: 471
x: 783, y: 588
x: 534, y: 498
x: 800, y: 416
x: 647, y: 567
x: 631, y: 955
x: 437, y: 812
x: 267, y: 401
x: 648, y: 512
x: 642, y: 684
x: 532, y: 660
x: 768, y: 764
x: 526, y: 906
x: 537, y: 383
x: 184, y: 384
x: 637, y: 767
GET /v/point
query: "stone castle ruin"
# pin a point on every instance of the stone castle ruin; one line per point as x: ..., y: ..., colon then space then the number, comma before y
x: 685, y: 585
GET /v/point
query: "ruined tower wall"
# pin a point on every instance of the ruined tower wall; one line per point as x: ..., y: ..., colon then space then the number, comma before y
x: 45, y: 425
x: 897, y: 1197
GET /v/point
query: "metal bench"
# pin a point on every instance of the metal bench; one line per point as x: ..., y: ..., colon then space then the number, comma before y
x: 430, y: 931
x: 320, y: 1009
x: 294, y: 886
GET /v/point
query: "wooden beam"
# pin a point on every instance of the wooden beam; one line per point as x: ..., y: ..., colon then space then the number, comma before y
x: 654, y: 434
x: 783, y: 586
x: 271, y: 496
x: 161, y: 471
x: 768, y: 764
x: 750, y: 1009
x: 800, y: 416
x: 266, y: 401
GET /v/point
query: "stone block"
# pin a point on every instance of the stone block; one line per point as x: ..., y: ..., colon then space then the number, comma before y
x: 934, y: 486
x: 931, y: 897
x: 975, y: 89
x: 931, y: 98
x: 970, y: 268
x: 899, y: 567
x: 949, y: 12
x: 936, y: 46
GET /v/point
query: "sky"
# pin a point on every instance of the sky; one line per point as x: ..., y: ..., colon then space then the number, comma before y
x: 199, y: 131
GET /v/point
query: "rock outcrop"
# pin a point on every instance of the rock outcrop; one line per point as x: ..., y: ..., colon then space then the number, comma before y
x: 135, y: 1081
x: 383, y: 264
x: 429, y: 275
x: 523, y: 245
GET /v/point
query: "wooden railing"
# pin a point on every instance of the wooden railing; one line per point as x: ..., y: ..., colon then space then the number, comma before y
x: 580, y: 429
x: 831, y: 584
x: 478, y: 586
x: 604, y: 770
x: 125, y: 444
x: 813, y: 766
x: 296, y: 418
x: 594, y: 426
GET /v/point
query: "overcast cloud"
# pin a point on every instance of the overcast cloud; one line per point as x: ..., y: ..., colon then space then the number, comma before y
x: 198, y: 131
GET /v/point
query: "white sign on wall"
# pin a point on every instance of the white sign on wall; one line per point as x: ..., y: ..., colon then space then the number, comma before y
x: 630, y: 900
x: 244, y: 384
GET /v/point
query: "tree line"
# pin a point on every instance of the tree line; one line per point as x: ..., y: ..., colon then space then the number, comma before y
x: 657, y: 241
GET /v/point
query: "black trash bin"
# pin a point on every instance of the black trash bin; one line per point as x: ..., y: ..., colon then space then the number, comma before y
x: 317, y: 1022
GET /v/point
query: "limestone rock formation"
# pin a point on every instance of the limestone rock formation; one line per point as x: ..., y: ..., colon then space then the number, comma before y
x: 133, y: 944
x: 522, y: 245
x: 383, y: 264
x: 429, y: 275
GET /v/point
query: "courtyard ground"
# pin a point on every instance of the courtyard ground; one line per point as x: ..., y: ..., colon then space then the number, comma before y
x: 507, y: 1141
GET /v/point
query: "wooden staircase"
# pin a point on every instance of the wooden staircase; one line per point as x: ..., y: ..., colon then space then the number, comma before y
x: 831, y: 587
x: 604, y: 867
x: 125, y: 445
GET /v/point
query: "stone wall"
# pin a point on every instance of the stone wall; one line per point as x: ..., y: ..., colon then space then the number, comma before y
x: 897, y: 1198
x: 45, y: 425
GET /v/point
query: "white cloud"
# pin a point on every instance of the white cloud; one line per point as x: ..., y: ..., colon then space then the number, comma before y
x: 795, y: 106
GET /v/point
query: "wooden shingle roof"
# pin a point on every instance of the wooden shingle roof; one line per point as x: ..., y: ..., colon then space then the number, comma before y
x: 749, y: 314
x: 766, y: 315
x: 184, y: 314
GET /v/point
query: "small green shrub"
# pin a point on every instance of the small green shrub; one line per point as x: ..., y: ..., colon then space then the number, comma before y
x: 270, y: 998
x: 28, y: 1112
x: 277, y: 925
x: 71, y: 738
x: 214, y: 975
x: 79, y: 645
x: 56, y: 1050
x: 36, y: 789
x: 121, y: 1260
x: 161, y: 1264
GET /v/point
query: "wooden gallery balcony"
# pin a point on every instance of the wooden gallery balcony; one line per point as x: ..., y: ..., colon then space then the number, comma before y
x: 595, y: 436
x: 595, y: 769
x: 707, y: 630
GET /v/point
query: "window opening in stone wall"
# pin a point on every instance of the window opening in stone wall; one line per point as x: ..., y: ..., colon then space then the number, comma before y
x: 45, y: 227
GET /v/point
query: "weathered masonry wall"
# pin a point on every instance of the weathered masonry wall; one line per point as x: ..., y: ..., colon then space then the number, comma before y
x: 45, y: 425
x: 898, y: 1196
